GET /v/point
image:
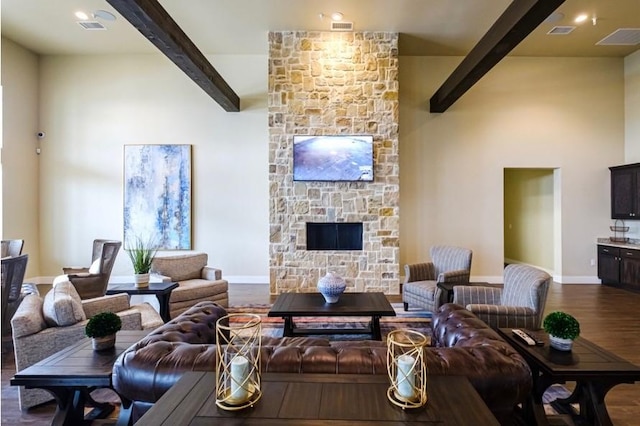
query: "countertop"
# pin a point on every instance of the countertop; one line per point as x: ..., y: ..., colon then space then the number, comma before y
x: 632, y: 244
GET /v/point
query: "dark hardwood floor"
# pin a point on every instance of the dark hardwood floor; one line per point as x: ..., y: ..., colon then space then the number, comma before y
x: 608, y: 316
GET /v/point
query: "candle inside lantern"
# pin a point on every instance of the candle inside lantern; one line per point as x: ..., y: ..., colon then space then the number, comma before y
x: 406, y: 377
x: 239, y: 383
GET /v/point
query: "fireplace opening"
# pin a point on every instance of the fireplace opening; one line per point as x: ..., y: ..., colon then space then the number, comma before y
x: 334, y: 236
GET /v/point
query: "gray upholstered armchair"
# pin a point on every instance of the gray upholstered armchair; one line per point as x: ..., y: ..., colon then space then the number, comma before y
x: 93, y: 281
x: 520, y: 304
x: 448, y: 264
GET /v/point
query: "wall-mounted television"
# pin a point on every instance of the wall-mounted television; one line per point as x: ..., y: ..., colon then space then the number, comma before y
x: 340, y: 158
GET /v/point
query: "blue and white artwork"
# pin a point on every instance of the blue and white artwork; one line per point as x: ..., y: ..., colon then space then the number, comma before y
x: 157, y: 195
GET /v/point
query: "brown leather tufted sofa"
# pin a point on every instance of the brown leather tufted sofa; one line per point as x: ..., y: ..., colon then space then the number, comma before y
x: 464, y: 345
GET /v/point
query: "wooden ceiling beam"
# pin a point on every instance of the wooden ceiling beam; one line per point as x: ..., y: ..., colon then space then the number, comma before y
x: 513, y: 26
x: 153, y: 21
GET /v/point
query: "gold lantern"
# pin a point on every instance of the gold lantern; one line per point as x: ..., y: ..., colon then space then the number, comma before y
x: 238, y: 361
x: 407, y: 368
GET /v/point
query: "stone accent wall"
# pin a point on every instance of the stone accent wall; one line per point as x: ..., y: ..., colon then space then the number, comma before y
x: 328, y: 83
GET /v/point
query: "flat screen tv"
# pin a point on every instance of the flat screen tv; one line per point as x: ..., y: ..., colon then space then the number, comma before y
x: 341, y: 158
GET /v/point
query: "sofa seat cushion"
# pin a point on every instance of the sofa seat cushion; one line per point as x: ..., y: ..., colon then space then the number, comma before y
x: 198, y: 289
x: 180, y: 267
x: 422, y: 289
x: 62, y: 305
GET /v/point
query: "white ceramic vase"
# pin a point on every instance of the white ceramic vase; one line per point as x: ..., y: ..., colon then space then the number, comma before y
x: 560, y: 344
x: 141, y: 280
x: 331, y: 286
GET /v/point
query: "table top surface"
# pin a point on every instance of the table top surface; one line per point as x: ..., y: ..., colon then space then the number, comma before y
x: 349, y: 304
x: 320, y: 399
x: 585, y: 359
x: 130, y: 288
x: 78, y: 363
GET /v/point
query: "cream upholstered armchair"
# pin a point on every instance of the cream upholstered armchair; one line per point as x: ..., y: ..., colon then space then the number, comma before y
x: 197, y: 282
x: 519, y: 304
x: 93, y: 281
x: 45, y: 325
x: 448, y: 264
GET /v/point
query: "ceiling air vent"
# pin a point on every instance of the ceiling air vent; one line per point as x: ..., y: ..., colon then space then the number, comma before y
x: 622, y: 37
x: 561, y: 30
x: 341, y: 26
x: 91, y: 25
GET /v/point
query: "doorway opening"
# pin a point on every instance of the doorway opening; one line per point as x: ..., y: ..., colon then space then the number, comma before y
x: 532, y: 218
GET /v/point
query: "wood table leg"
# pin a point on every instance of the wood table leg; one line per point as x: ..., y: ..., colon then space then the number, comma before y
x: 287, y: 331
x: 71, y: 403
x: 163, y: 302
x: 376, y: 334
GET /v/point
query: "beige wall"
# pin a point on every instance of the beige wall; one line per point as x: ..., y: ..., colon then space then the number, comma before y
x: 632, y: 121
x: 562, y: 113
x: 92, y: 106
x: 527, y: 112
x: 20, y: 205
x: 632, y: 108
x: 529, y: 217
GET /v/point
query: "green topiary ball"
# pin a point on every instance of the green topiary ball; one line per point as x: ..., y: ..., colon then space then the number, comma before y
x: 562, y: 325
x: 103, y: 324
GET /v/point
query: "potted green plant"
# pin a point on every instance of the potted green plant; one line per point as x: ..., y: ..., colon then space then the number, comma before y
x: 141, y: 255
x: 102, y: 329
x: 562, y: 328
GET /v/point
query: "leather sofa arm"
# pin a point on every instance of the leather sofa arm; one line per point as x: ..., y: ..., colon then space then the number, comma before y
x: 419, y: 272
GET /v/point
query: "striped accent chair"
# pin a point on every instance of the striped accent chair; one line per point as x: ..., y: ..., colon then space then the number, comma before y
x: 519, y: 304
x: 448, y: 264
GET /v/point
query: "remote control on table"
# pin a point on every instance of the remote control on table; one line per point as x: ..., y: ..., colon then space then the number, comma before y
x: 523, y: 336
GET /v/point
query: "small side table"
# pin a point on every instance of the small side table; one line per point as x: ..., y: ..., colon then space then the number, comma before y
x: 161, y: 290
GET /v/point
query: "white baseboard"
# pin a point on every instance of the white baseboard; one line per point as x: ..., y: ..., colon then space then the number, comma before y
x: 569, y: 279
x: 247, y: 279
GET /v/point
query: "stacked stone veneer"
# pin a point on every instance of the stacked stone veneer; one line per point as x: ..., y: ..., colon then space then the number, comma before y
x: 323, y: 83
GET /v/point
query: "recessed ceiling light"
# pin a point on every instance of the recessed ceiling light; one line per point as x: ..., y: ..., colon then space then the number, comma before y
x: 81, y: 15
x: 580, y: 18
x: 337, y: 16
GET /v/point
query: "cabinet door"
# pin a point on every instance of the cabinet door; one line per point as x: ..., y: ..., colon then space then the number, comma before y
x: 624, y: 200
x: 630, y: 268
x: 608, y: 264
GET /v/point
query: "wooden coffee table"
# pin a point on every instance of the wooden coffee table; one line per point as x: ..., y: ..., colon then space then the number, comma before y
x: 374, y: 305
x: 320, y: 399
x: 71, y: 374
x: 162, y: 291
x: 594, y: 369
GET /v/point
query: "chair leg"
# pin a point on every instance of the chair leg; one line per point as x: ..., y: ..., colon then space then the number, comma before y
x: 406, y: 306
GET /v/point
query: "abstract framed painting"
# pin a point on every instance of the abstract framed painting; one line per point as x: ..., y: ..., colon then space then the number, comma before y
x: 157, y: 195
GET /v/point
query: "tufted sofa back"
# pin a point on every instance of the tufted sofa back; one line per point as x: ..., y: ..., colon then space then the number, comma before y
x: 464, y: 346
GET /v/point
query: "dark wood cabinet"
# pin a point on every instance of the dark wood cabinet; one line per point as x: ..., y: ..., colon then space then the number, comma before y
x: 630, y: 268
x: 625, y: 192
x: 619, y: 267
x: 609, y: 264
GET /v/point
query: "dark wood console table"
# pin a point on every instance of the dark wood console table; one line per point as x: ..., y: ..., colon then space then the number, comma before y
x: 320, y: 400
x: 373, y: 304
x: 161, y: 290
x: 594, y: 369
x: 71, y: 374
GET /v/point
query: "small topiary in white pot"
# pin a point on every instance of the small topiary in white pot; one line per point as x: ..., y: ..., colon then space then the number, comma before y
x: 562, y: 328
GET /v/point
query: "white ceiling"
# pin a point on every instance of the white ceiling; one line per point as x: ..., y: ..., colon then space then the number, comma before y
x: 426, y: 27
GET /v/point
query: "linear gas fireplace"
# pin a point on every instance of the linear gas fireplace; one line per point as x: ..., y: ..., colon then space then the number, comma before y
x: 334, y: 236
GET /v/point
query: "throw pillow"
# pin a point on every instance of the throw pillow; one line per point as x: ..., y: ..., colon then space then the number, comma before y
x: 63, y: 306
x: 95, y: 267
